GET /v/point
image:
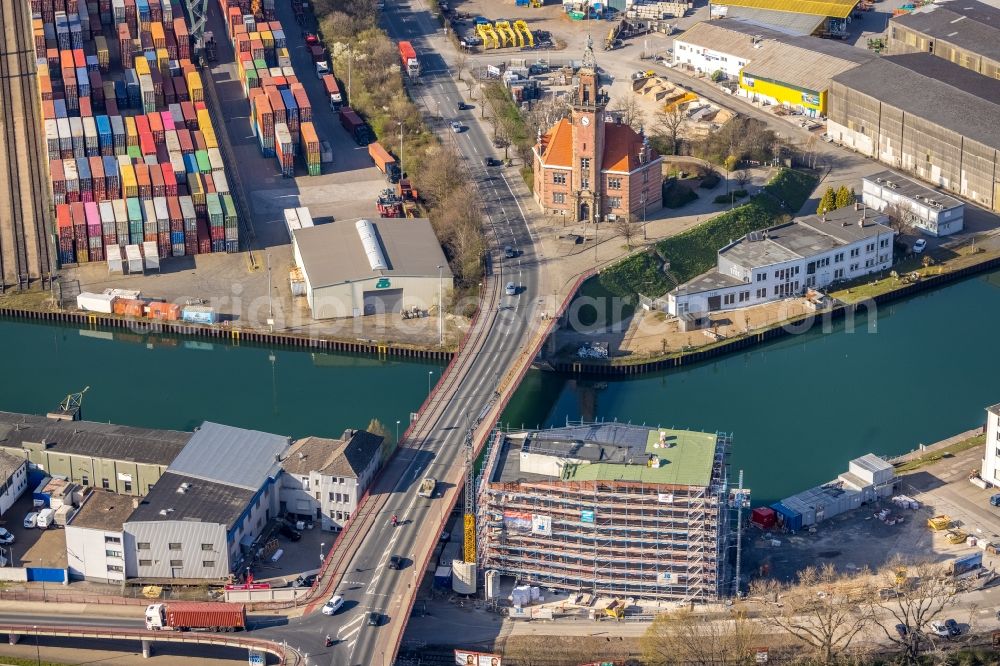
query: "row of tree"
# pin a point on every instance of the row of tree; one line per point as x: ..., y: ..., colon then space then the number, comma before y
x: 832, y: 199
x: 830, y: 618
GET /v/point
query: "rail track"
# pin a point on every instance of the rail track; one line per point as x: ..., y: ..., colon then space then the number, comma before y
x: 26, y: 242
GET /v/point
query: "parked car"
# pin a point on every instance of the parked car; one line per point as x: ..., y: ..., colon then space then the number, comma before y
x: 902, y: 630
x: 920, y: 245
x: 490, y: 161
x: 952, y: 627
x: 939, y: 629
x: 508, y: 252
x: 461, y: 105
x: 826, y: 137
x: 995, y: 500
x: 456, y: 126
x: 333, y: 605
x: 5, y: 536
x: 510, y: 289
x: 31, y: 520
x: 290, y: 533
x: 374, y: 619
x: 304, y: 581
x: 396, y: 562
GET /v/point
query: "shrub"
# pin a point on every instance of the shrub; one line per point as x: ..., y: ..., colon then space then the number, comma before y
x: 710, y: 180
x: 639, y: 273
x: 676, y: 195
x: 732, y: 196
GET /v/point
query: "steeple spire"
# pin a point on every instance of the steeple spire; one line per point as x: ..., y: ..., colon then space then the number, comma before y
x: 588, y: 54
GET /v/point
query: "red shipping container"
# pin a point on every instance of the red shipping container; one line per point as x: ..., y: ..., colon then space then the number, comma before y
x: 184, y: 139
x: 85, y: 108
x: 175, y: 214
x: 97, y: 174
x: 142, y: 124
x: 205, y: 236
x: 209, y: 183
x: 130, y: 307
x: 190, y: 115
x: 58, y: 179
x: 142, y: 180
x: 155, y: 122
x: 199, y: 140
x: 146, y: 143
x: 156, y: 178
x: 763, y: 517
x: 111, y: 107
x: 169, y: 179
x: 180, y: 89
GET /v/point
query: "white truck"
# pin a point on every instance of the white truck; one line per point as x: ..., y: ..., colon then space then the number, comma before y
x: 427, y: 487
x: 322, y: 69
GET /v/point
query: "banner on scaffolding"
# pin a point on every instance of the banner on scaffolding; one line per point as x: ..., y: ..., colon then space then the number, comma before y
x: 665, y: 497
x: 541, y: 524
x: 666, y: 577
x: 586, y: 516
x: 466, y: 658
x: 517, y: 521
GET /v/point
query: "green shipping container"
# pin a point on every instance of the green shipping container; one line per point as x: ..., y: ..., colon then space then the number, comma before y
x: 229, y: 210
x: 315, y: 169
x: 260, y: 63
x: 204, y: 165
x: 214, y: 207
x: 252, y: 80
x: 135, y: 152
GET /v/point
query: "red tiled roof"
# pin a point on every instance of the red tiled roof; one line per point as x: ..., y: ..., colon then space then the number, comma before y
x: 622, y: 146
x: 557, y: 145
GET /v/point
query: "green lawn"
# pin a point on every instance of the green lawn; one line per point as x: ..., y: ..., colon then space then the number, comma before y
x: 934, y: 456
x: 602, y: 304
x: 694, y: 251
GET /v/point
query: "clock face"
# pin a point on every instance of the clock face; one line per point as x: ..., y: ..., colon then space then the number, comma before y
x: 585, y: 121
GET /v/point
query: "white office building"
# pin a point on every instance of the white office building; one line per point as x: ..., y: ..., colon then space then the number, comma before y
x: 991, y: 456
x: 933, y: 212
x: 95, y: 548
x: 13, y: 479
x: 325, y: 479
x: 786, y: 260
x: 724, y: 45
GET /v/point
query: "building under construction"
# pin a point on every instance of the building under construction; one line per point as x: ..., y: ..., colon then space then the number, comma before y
x: 608, y: 509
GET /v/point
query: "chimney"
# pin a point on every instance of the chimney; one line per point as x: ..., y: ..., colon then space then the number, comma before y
x: 135, y: 502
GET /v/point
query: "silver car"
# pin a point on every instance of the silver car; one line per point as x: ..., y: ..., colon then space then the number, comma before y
x: 510, y: 289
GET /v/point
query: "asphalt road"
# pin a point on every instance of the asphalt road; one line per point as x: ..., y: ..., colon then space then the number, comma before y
x: 369, y: 586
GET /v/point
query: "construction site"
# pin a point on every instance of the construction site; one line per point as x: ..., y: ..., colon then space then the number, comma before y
x: 609, y: 509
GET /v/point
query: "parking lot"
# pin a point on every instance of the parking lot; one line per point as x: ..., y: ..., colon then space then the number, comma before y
x: 32, y: 547
x: 300, y: 557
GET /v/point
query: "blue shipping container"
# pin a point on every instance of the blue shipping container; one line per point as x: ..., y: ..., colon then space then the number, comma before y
x: 177, y: 237
x: 60, y: 107
x: 791, y: 519
x: 198, y: 314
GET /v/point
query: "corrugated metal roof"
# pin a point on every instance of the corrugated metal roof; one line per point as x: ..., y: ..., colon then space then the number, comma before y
x: 231, y: 456
x: 785, y: 22
x: 806, y: 62
x: 8, y: 465
x: 333, y: 254
x: 968, y: 24
x: 835, y: 8
x: 98, y: 440
x: 953, y: 97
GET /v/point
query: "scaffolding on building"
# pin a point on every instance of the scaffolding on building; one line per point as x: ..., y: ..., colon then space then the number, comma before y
x: 608, y: 537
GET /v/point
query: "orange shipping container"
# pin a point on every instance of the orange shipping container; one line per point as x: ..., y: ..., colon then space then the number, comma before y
x: 130, y: 307
x: 165, y: 311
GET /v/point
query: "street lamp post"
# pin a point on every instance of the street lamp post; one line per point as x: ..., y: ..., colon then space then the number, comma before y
x: 401, y: 149
x: 429, y: 375
x: 321, y: 558
x: 643, y: 198
x: 397, y: 433
x: 441, y: 305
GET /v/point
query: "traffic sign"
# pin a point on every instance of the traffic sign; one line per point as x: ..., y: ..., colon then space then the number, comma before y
x: 256, y: 658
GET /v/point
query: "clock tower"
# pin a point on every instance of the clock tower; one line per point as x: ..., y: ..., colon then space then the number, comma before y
x: 587, y: 119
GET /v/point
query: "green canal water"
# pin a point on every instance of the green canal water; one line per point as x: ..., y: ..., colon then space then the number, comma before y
x: 799, y: 408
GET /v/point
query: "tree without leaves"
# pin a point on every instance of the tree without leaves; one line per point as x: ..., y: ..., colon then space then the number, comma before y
x: 821, y: 610
x: 742, y: 177
x: 668, y: 123
x: 628, y: 109
x: 625, y: 228
x: 686, y: 637
x: 914, y: 596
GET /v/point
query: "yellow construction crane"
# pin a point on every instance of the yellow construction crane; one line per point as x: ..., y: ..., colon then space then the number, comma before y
x: 469, y: 554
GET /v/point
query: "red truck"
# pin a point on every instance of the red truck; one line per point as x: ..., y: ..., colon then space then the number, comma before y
x: 357, y: 128
x: 409, y: 57
x: 385, y: 162
x: 332, y: 91
x: 188, y: 615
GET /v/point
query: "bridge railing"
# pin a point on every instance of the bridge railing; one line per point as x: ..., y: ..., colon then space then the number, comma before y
x: 506, y: 391
x: 287, y: 655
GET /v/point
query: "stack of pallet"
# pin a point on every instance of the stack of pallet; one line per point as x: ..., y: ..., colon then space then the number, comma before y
x: 133, y: 154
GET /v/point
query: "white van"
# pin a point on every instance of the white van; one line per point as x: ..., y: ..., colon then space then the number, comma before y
x: 45, y: 518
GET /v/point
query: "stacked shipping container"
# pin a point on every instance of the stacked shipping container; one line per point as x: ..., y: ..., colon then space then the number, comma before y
x: 133, y: 155
x: 279, y: 105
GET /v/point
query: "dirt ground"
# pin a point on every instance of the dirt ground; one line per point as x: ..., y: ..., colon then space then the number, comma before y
x: 856, y: 540
x: 653, y: 332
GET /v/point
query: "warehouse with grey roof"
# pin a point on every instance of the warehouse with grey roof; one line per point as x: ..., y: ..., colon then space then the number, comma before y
x: 366, y: 267
x: 209, y: 508
x: 925, y: 116
x: 966, y: 33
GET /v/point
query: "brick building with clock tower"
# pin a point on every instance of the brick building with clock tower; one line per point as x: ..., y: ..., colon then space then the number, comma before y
x: 591, y: 168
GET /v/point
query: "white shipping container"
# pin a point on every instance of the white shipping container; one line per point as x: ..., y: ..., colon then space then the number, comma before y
x: 172, y: 142
x: 151, y: 255
x: 95, y: 302
x: 176, y: 113
x: 72, y: 175
x: 52, y: 138
x: 134, y: 257
x: 107, y: 212
x: 221, y: 184
x: 215, y: 159
x: 121, y: 210
x: 90, y: 131
x: 292, y: 221
x: 177, y: 162
x: 305, y: 217
x: 65, y: 134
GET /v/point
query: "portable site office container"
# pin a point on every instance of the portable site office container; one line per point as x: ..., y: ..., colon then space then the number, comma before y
x: 151, y: 255
x: 115, y: 262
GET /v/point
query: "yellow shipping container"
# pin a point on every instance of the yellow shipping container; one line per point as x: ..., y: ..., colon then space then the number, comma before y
x: 130, y: 188
x: 195, y: 90
x: 163, y: 61
x: 254, y: 36
x: 196, y: 188
x: 268, y: 38
x: 131, y: 133
x: 156, y: 30
x: 209, y: 136
x: 141, y: 65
